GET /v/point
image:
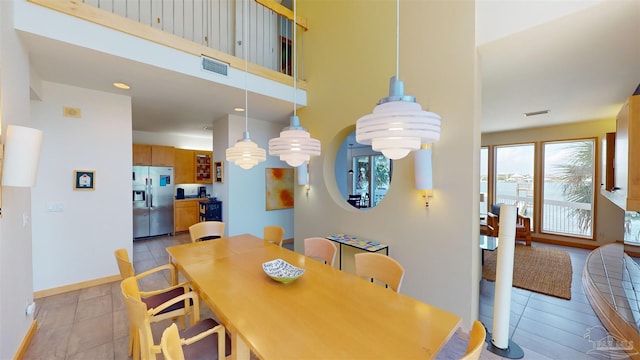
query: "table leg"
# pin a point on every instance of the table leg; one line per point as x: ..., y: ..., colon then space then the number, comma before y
x: 239, y: 349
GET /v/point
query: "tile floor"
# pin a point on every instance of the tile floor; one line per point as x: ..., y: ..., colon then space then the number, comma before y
x: 92, y: 323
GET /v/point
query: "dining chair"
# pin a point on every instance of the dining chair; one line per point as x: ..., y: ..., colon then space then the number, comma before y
x: 206, y: 230
x: 273, y: 234
x: 141, y: 316
x: 320, y: 248
x: 380, y: 267
x: 195, y: 347
x: 153, y: 297
x: 477, y: 337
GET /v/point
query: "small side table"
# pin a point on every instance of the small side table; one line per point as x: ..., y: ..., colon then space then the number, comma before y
x: 488, y: 243
x: 358, y: 243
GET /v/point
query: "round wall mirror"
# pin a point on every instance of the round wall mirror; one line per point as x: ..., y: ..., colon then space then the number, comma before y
x: 363, y: 175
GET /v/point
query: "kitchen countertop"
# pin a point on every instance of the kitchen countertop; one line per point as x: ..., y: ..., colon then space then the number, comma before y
x: 194, y: 197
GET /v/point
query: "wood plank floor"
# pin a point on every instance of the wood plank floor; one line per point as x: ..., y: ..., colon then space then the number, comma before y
x: 92, y: 323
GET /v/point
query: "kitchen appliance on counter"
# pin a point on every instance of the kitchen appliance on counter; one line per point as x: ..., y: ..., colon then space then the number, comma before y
x: 202, y: 192
x: 152, y: 201
x: 180, y: 193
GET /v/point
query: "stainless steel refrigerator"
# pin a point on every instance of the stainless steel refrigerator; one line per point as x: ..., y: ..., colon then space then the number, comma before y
x: 152, y: 201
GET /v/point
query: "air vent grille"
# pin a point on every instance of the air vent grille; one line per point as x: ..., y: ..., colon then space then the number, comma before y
x: 217, y: 67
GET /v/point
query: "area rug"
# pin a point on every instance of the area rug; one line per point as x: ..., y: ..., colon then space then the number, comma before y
x: 540, y: 269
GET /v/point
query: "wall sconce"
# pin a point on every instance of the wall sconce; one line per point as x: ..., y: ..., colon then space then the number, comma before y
x: 423, y: 171
x: 303, y: 176
x: 21, y: 156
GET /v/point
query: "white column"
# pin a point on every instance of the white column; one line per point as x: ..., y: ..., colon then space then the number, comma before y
x: 504, y: 276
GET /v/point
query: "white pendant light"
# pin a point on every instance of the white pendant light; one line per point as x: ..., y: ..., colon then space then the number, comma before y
x: 245, y: 153
x: 398, y: 125
x: 295, y: 145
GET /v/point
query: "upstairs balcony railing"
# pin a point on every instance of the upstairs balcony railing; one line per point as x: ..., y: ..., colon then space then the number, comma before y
x: 215, y: 24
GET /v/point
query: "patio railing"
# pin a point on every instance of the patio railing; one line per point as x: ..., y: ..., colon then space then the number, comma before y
x: 558, y: 216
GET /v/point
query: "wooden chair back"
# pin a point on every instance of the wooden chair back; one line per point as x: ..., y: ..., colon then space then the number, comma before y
x: 477, y: 337
x: 124, y: 264
x: 138, y: 320
x: 320, y: 248
x: 274, y: 234
x: 170, y: 344
x: 205, y: 229
x: 380, y: 267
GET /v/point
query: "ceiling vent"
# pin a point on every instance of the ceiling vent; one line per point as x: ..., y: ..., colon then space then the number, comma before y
x: 534, y: 113
x: 214, y: 66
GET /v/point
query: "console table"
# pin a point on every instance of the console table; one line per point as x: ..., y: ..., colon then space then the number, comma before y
x: 358, y: 243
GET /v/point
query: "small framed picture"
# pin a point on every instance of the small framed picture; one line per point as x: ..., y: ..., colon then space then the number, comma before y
x: 84, y: 180
x: 218, y: 168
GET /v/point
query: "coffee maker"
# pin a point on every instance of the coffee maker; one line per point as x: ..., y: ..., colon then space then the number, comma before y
x: 202, y: 192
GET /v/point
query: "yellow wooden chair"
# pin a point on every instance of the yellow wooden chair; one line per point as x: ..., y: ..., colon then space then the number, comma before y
x: 274, y: 234
x: 320, y: 248
x: 172, y: 345
x: 380, y: 267
x: 477, y: 338
x: 152, y: 297
x: 206, y: 230
x: 141, y: 316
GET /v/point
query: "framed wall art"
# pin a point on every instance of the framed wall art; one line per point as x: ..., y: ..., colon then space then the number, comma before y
x: 84, y: 180
x: 279, y: 194
x: 218, y: 169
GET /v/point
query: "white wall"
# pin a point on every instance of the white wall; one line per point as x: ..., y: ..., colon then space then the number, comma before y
x: 204, y: 142
x: 246, y: 212
x: 438, y: 246
x: 16, y: 284
x: 77, y: 244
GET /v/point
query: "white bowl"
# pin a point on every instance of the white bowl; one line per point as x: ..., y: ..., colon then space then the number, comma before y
x: 282, y: 271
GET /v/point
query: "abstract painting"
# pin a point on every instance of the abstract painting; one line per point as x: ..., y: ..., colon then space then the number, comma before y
x: 279, y: 188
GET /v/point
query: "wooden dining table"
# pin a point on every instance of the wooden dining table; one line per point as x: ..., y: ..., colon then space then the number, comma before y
x: 324, y: 314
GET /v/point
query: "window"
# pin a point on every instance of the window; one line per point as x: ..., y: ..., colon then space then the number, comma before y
x: 568, y: 187
x: 484, y: 177
x: 514, y: 179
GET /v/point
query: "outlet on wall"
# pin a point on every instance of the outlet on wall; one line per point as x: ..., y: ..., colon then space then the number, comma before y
x: 30, y: 309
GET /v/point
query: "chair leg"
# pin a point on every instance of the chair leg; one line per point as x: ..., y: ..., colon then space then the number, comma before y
x: 136, y: 346
x: 131, y: 337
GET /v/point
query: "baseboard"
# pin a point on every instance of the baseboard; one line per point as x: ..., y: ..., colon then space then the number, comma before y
x: 564, y: 243
x: 26, y: 341
x: 76, y: 286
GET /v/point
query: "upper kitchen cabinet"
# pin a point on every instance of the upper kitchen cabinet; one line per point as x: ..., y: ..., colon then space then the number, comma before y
x: 626, y: 192
x: 184, y: 169
x: 193, y: 166
x: 203, y: 167
x: 154, y: 155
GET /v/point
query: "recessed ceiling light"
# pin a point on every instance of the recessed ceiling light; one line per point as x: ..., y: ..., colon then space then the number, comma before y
x: 120, y: 85
x: 534, y: 113
x: 238, y: 109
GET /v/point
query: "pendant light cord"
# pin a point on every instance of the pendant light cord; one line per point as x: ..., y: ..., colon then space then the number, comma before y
x: 246, y: 67
x: 294, y: 26
x: 397, y: 39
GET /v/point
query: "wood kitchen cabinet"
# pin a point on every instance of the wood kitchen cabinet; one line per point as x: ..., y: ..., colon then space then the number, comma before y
x: 193, y: 166
x: 185, y: 214
x: 626, y: 192
x: 203, y: 160
x: 185, y: 166
x: 153, y: 155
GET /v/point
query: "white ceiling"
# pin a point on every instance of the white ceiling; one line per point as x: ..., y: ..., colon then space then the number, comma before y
x: 534, y: 56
